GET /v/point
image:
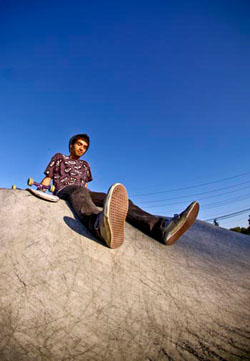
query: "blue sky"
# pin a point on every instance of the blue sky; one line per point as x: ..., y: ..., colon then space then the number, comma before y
x: 161, y: 87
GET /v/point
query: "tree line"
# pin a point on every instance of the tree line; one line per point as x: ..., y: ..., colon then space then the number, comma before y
x: 237, y: 229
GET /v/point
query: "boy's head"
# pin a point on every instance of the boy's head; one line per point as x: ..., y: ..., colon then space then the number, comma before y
x: 78, y: 145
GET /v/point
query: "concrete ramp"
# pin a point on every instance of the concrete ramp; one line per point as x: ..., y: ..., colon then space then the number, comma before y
x: 66, y: 296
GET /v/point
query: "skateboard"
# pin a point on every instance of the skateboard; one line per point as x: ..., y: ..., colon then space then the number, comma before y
x: 40, y: 190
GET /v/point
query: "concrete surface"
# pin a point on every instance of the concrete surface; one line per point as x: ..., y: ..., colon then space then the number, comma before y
x: 66, y: 296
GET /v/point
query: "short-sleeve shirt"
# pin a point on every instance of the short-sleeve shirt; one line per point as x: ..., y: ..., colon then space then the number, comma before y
x: 66, y: 171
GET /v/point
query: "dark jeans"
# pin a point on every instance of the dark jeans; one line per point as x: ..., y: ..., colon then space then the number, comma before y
x: 85, y: 202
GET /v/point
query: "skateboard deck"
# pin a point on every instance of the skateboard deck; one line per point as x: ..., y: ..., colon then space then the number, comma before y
x: 43, y: 195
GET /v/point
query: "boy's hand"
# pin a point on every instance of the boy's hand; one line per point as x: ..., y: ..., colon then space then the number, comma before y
x: 46, y: 182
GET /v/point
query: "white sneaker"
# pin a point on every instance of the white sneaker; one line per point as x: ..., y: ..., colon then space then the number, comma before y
x: 111, y: 221
x: 180, y: 223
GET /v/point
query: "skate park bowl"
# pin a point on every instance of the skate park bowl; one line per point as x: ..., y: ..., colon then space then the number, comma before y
x: 65, y: 296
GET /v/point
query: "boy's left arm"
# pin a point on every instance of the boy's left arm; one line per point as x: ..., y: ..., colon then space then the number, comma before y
x: 46, y: 181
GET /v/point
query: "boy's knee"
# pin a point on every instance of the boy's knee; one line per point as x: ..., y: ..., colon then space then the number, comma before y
x: 79, y: 193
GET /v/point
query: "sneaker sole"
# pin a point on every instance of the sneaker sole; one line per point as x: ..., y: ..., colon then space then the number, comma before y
x: 115, y: 213
x: 190, y: 219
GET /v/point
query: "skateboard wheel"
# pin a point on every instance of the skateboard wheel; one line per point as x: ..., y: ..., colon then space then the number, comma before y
x: 13, y: 187
x: 52, y: 189
x: 30, y: 181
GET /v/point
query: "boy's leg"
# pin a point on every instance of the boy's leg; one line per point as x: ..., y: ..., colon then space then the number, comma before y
x: 81, y: 203
x: 164, y: 229
x: 145, y: 222
x: 107, y: 225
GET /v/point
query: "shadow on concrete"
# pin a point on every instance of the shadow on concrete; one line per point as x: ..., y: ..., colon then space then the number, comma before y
x: 79, y: 228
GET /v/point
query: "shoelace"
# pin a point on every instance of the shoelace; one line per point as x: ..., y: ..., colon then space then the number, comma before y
x: 177, y: 216
x: 175, y: 219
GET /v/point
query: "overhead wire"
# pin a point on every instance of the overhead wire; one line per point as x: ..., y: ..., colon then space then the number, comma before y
x: 195, y: 195
x: 226, y: 202
x: 190, y: 187
x: 229, y: 223
x: 230, y: 215
x: 222, y: 204
x: 211, y: 205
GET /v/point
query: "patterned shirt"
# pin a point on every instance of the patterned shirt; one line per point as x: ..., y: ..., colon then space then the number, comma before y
x: 65, y: 171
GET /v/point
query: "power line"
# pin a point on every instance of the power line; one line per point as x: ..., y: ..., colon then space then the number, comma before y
x: 239, y: 218
x: 226, y: 201
x: 189, y: 187
x: 230, y: 215
x: 195, y: 195
x: 207, y: 205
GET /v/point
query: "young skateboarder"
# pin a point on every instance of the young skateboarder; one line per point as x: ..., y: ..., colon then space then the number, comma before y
x: 71, y: 176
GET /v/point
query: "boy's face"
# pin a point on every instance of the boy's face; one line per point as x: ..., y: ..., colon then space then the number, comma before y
x: 78, y: 149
